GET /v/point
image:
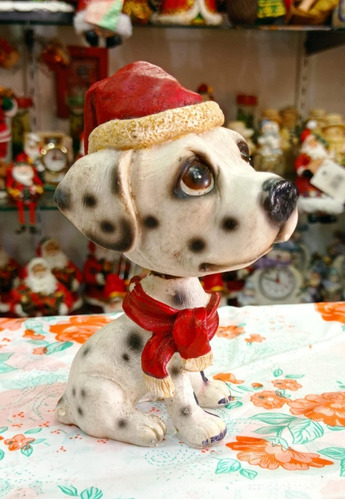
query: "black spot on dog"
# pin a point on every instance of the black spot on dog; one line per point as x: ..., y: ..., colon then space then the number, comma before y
x: 175, y: 371
x: 186, y: 411
x: 86, y: 351
x: 80, y: 411
x: 125, y: 357
x: 122, y: 243
x: 229, y: 224
x: 63, y: 198
x: 89, y: 200
x: 179, y: 298
x: 134, y: 341
x: 150, y: 222
x: 115, y: 185
x: 122, y: 423
x: 107, y: 226
x: 73, y: 392
x: 83, y: 393
x: 196, y: 245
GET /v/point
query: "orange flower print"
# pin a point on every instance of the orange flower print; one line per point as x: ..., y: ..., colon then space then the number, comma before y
x: 258, y: 451
x: 256, y: 385
x: 78, y: 328
x: 255, y: 337
x: 10, y: 324
x: 30, y: 334
x: 331, y: 311
x: 228, y: 377
x: 230, y: 332
x: 328, y: 407
x: 40, y: 350
x: 18, y: 442
x: 268, y: 400
x: 288, y: 384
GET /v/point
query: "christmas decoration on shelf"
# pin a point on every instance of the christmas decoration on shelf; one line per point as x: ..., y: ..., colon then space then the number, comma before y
x: 313, y: 12
x: 9, y: 55
x: 102, y: 19
x: 140, y: 11
x: 8, y: 108
x: 164, y: 184
x: 9, y: 279
x: 54, y: 55
x: 271, y: 12
x: 333, y: 132
x: 64, y: 270
x: 24, y: 187
x: 242, y: 12
x: 40, y: 293
x: 244, y: 131
x: 184, y: 12
x: 269, y: 155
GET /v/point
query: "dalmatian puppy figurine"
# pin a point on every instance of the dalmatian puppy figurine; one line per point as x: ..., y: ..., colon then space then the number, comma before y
x: 165, y: 184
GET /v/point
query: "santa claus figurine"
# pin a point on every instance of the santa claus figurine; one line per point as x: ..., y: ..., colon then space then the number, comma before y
x: 64, y: 270
x: 9, y: 279
x: 320, y: 206
x: 188, y: 12
x: 114, y: 291
x: 40, y: 293
x: 99, y: 264
x: 24, y: 187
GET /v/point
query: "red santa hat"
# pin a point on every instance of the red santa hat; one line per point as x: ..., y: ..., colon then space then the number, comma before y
x: 114, y: 287
x: 142, y: 105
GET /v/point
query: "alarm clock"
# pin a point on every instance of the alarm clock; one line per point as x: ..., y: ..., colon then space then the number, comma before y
x: 54, y: 158
x: 277, y: 285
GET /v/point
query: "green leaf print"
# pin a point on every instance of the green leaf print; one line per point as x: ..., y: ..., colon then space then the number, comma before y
x: 27, y: 450
x: 270, y: 429
x: 227, y: 465
x: 334, y: 452
x: 274, y: 418
x: 248, y: 473
x: 58, y: 346
x: 2, y: 454
x: 91, y: 493
x: 33, y: 431
x: 5, y: 356
x: 233, y: 404
x: 304, y: 430
x: 6, y: 368
x: 278, y: 372
x: 342, y: 468
x: 72, y: 491
x: 3, y: 429
x: 294, y: 376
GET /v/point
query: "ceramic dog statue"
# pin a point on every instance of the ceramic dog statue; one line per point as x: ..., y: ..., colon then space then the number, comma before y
x: 164, y: 183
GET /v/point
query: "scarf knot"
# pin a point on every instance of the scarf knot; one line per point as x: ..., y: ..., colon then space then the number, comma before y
x: 186, y: 331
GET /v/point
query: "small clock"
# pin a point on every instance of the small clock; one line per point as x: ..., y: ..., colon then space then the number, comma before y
x: 277, y: 285
x: 55, y: 160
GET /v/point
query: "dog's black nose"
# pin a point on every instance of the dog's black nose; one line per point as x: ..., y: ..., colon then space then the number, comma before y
x: 280, y: 199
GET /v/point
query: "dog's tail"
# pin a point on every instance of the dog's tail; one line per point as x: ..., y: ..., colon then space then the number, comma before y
x: 62, y: 411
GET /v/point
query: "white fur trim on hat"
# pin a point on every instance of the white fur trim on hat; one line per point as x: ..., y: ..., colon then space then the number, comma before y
x: 137, y: 133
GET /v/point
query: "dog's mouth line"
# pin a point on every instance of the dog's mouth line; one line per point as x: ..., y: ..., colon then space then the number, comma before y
x: 207, y: 267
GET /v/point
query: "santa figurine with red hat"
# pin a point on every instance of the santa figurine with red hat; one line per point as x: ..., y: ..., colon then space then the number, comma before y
x: 313, y: 201
x: 40, y: 293
x: 24, y: 187
x: 9, y: 278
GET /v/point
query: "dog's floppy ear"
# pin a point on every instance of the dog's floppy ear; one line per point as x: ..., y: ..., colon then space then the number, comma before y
x: 95, y: 196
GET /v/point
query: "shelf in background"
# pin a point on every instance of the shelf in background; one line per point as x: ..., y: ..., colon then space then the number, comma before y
x: 46, y: 202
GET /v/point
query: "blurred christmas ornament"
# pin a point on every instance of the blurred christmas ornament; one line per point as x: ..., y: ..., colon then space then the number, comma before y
x: 54, y: 55
x: 188, y: 12
x: 9, y: 55
x: 242, y: 12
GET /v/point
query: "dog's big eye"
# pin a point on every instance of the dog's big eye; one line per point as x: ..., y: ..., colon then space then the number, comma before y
x: 243, y: 147
x: 196, y: 179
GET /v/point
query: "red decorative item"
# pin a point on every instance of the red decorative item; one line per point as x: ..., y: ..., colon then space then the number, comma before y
x: 40, y: 293
x: 9, y: 55
x: 9, y: 279
x: 24, y: 187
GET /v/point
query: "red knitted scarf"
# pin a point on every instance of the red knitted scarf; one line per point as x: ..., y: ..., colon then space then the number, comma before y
x: 186, y: 331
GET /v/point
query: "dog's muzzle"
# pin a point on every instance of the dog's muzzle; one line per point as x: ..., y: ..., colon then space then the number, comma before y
x: 279, y: 199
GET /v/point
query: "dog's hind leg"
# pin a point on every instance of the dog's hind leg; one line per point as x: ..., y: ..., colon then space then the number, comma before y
x: 194, y: 426
x: 102, y: 409
x: 209, y: 393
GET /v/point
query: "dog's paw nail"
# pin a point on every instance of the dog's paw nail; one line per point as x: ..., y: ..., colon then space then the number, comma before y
x: 215, y: 439
x: 223, y: 401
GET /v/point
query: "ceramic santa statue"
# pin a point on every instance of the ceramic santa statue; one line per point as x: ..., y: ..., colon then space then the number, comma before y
x: 99, y: 264
x: 64, y: 270
x: 312, y: 200
x: 9, y: 279
x: 40, y: 293
x: 191, y: 12
x: 114, y: 291
x: 103, y: 19
x: 24, y: 187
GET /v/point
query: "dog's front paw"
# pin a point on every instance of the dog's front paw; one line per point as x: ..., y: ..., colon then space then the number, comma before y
x: 150, y: 432
x: 210, y: 393
x: 204, y: 432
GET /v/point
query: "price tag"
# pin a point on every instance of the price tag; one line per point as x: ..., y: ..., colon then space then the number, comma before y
x: 330, y: 178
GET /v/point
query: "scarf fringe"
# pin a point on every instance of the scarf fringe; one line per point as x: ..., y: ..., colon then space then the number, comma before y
x: 160, y: 387
x: 198, y: 364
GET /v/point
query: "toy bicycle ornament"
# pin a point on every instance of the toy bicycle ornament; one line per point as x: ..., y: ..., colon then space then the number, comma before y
x: 166, y: 185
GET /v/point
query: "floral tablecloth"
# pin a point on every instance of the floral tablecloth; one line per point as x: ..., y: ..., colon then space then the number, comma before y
x: 286, y: 421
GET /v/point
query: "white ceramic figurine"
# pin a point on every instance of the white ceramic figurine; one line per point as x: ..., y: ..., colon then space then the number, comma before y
x: 165, y: 184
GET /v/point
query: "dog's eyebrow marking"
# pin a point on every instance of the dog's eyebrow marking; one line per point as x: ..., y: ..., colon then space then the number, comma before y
x: 107, y: 226
x: 150, y: 222
x: 89, y: 200
x: 134, y: 341
x: 201, y: 156
x: 229, y: 224
x: 196, y: 245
